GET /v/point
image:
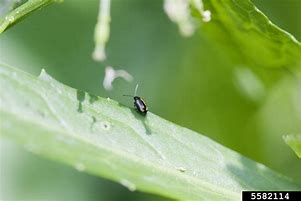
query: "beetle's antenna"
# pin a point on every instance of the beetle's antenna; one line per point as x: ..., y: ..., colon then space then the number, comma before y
x: 136, y: 89
x: 128, y: 95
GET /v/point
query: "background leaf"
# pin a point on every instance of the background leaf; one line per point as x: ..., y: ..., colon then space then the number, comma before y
x: 9, y: 16
x: 6, y: 6
x: 104, y: 138
x: 294, y: 141
x: 241, y: 22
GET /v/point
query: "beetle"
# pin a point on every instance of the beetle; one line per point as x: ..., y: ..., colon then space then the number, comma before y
x: 139, y: 103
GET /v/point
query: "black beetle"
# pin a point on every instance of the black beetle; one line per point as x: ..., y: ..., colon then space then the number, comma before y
x: 139, y: 103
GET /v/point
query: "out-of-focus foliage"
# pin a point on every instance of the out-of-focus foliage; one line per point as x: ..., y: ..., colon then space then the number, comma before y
x: 294, y: 141
x: 257, y: 42
x: 6, y: 6
x: 99, y: 136
x: 196, y: 82
x: 9, y: 15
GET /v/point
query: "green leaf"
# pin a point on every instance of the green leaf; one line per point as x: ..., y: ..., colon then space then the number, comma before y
x: 6, y: 6
x: 21, y: 12
x: 294, y: 141
x: 253, y: 39
x: 102, y: 137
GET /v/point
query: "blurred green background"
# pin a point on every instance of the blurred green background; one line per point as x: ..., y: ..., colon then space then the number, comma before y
x: 189, y: 81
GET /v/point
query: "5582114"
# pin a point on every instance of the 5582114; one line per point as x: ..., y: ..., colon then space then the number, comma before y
x: 271, y: 195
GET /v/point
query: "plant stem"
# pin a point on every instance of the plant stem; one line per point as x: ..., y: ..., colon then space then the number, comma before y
x: 21, y: 11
